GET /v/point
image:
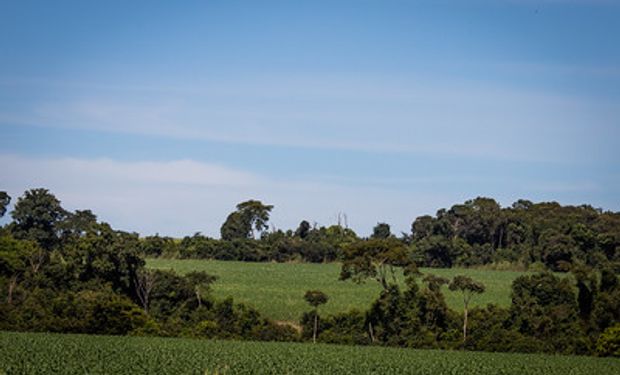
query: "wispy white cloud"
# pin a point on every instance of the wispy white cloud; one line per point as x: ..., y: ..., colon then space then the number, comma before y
x: 416, y: 116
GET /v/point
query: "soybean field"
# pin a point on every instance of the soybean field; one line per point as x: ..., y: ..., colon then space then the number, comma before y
x: 40, y: 353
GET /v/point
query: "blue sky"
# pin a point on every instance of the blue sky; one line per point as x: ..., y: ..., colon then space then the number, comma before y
x: 161, y: 116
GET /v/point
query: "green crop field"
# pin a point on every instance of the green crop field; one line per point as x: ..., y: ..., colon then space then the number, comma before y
x: 277, y: 289
x: 39, y: 353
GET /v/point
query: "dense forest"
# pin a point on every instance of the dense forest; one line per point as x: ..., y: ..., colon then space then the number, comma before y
x: 476, y: 233
x: 65, y: 271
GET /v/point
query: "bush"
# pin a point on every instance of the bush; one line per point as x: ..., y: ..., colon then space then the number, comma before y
x: 608, y: 343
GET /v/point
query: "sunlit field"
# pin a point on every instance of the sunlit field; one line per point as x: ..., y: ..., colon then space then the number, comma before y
x: 277, y: 289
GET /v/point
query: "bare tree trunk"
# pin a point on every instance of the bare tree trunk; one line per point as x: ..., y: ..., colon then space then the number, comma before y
x: 36, y: 261
x: 144, y: 285
x: 465, y: 324
x: 12, y: 285
x: 316, y: 325
x: 381, y: 267
x: 501, y: 235
x: 372, y: 334
x: 198, y: 297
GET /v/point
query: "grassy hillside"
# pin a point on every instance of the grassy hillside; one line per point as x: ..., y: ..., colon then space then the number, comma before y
x: 39, y: 353
x: 277, y: 289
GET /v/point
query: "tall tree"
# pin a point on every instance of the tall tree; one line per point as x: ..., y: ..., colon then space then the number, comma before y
x: 303, y: 229
x: 468, y: 288
x: 381, y: 231
x: 37, y: 214
x: 315, y: 298
x: 250, y: 216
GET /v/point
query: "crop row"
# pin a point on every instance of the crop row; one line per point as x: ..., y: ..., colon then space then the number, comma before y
x: 38, y: 353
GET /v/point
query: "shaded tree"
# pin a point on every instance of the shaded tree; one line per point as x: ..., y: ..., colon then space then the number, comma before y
x: 381, y: 231
x: 315, y: 298
x: 145, y: 281
x: 375, y: 259
x: 468, y: 288
x: 202, y: 284
x: 303, y: 229
x: 544, y: 306
x: 422, y: 227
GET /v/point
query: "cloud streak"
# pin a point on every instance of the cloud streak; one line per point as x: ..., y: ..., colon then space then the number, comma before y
x: 414, y: 117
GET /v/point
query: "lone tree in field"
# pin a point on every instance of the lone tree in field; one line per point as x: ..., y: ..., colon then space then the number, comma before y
x: 315, y: 298
x: 375, y: 259
x: 468, y: 287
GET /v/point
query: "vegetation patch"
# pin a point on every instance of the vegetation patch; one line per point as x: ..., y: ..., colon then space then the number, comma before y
x: 36, y: 353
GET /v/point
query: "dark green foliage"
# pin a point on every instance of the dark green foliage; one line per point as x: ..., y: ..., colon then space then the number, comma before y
x: 5, y: 199
x: 36, y: 216
x: 609, y: 342
x: 344, y: 328
x: 545, y: 307
x: 303, y: 229
x: 315, y: 298
x: 375, y: 259
x: 479, y: 232
x: 468, y: 288
x: 65, y: 272
x: 155, y: 246
x: 381, y: 231
x: 476, y: 233
x: 250, y: 215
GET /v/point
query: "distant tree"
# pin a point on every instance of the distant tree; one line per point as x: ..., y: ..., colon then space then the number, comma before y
x: 544, y: 306
x: 375, y: 258
x: 381, y: 231
x: 5, y: 199
x: 144, y: 284
x: 303, y: 229
x: 105, y: 255
x: 37, y: 215
x: 250, y: 216
x: 435, y: 282
x: 587, y: 285
x: 202, y: 284
x: 315, y: 298
x: 468, y: 288
x: 13, y: 263
x: 422, y: 227
x: 433, y: 308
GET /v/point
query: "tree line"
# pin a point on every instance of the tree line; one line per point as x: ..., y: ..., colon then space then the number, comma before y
x: 477, y: 233
x: 64, y: 271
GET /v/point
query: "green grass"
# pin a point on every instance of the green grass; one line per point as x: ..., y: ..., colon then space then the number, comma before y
x: 39, y: 353
x: 277, y: 289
